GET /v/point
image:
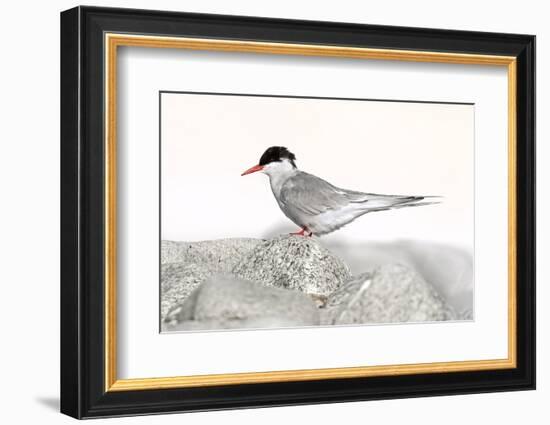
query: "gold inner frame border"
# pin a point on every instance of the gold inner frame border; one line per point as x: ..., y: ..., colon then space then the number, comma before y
x: 113, y: 40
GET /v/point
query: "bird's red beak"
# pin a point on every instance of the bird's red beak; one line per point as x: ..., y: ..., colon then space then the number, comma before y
x: 253, y: 170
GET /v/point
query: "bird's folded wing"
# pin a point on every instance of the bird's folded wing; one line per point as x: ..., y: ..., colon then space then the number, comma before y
x: 311, y: 195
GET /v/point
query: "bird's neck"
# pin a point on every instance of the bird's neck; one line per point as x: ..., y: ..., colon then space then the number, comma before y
x: 278, y: 179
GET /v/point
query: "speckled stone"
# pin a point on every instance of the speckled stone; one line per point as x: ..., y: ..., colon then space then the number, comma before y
x: 184, y: 265
x: 224, y: 302
x: 221, y: 254
x: 294, y: 262
x: 390, y: 293
x: 447, y: 268
x: 467, y: 314
x: 178, y: 280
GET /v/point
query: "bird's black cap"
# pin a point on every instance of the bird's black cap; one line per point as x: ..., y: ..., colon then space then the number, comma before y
x: 277, y: 153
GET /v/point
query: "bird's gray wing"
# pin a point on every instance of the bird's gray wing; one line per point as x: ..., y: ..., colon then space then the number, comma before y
x: 312, y: 195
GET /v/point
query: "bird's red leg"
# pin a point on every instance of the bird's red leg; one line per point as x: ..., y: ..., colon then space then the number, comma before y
x: 300, y: 233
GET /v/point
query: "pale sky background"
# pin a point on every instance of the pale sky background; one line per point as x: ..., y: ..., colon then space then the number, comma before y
x: 371, y: 146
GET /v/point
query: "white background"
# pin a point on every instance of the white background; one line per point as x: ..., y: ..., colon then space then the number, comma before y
x: 381, y: 147
x: 29, y: 171
x: 145, y: 72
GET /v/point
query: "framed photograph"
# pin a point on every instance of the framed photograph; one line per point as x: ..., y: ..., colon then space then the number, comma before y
x: 261, y: 212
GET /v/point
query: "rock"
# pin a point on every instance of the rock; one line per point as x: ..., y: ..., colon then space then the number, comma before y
x: 184, y: 265
x: 221, y: 255
x: 390, y: 293
x: 217, y: 325
x: 178, y: 280
x: 448, y: 268
x: 465, y: 315
x: 224, y: 302
x: 294, y: 262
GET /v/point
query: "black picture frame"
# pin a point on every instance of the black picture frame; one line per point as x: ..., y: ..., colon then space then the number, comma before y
x: 83, y: 392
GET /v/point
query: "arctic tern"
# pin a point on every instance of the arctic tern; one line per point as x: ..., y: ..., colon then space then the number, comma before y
x: 314, y: 204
